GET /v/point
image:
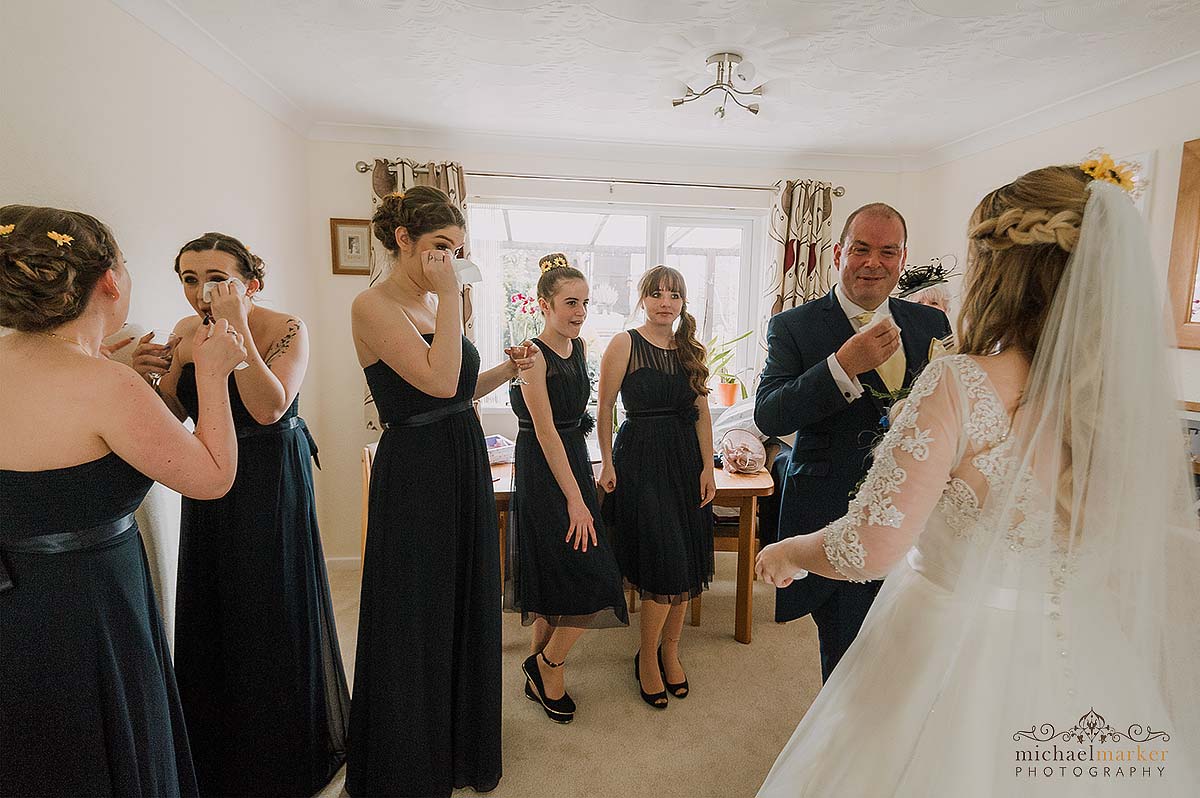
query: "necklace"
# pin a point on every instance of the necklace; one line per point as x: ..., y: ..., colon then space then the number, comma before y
x: 670, y: 341
x: 73, y: 341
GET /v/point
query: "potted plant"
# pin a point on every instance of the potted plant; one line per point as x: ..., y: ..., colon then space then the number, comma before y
x: 720, y: 357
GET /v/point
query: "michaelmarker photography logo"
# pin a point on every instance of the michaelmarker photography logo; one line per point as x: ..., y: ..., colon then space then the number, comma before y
x: 1091, y: 749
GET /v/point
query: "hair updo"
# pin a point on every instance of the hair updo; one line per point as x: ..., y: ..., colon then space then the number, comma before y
x: 556, y: 270
x: 1021, y: 236
x: 419, y: 210
x: 249, y: 265
x: 46, y: 281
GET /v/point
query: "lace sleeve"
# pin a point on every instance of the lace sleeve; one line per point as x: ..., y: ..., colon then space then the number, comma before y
x: 910, y: 471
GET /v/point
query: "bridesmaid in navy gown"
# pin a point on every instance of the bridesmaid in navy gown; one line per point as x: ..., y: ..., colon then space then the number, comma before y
x: 561, y: 576
x: 425, y: 718
x: 256, y: 651
x: 659, y: 474
x: 88, y: 700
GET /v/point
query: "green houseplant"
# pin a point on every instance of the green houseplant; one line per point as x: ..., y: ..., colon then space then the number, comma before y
x: 720, y: 358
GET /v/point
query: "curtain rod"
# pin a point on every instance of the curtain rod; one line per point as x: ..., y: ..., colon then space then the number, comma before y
x: 363, y: 167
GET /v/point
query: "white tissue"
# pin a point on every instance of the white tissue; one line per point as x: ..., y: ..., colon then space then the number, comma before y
x: 237, y: 285
x: 466, y: 271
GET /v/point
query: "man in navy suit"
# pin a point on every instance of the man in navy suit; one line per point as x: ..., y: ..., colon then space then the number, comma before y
x: 823, y: 360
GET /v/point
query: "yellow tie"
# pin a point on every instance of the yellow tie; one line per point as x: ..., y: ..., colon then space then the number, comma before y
x: 892, y: 369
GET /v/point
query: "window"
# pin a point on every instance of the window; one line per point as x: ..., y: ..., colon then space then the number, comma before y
x: 612, y: 246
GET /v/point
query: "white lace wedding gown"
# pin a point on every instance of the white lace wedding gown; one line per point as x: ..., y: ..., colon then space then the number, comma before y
x: 933, y: 696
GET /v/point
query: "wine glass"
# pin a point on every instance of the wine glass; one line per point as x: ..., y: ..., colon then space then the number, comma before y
x: 161, y: 338
x: 516, y: 338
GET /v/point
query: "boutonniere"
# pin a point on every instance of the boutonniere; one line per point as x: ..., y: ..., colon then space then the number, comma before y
x: 891, y: 400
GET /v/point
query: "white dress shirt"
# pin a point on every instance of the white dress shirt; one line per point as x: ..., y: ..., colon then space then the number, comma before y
x: 849, y: 384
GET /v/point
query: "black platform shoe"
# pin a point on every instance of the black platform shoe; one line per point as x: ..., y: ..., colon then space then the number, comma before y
x: 656, y: 700
x: 678, y: 690
x: 559, y: 710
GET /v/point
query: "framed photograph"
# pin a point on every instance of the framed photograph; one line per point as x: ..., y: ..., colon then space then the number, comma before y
x: 350, y: 244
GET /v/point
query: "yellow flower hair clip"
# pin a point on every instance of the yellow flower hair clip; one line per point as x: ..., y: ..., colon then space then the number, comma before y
x: 60, y: 238
x: 1100, y: 166
x: 555, y: 260
x: 6, y: 229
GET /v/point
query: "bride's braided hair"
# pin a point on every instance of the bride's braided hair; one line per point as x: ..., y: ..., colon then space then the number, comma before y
x: 1020, y: 238
x: 1018, y: 227
x: 46, y: 282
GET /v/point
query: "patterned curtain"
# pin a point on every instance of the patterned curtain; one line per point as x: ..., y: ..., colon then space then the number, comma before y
x: 801, y: 249
x: 388, y: 177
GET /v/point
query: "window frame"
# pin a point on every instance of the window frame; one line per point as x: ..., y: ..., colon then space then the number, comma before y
x: 1185, y: 248
x: 752, y: 221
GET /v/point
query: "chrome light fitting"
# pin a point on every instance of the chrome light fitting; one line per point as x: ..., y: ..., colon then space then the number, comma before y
x: 729, y: 69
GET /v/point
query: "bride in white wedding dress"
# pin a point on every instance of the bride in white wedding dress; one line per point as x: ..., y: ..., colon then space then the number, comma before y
x: 1037, y: 633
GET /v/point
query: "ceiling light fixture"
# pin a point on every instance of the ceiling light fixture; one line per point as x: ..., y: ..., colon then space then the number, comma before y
x: 730, y: 70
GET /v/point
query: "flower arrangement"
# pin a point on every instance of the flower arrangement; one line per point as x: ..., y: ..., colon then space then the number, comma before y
x: 1101, y: 166
x: 522, y: 321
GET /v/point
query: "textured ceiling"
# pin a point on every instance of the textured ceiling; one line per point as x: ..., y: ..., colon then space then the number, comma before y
x: 887, y: 77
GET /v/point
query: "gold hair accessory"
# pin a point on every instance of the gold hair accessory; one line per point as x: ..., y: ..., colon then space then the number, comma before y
x: 6, y: 229
x: 555, y: 260
x: 1100, y: 166
x: 59, y: 238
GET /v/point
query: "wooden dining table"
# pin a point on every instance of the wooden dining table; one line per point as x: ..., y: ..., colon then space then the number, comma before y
x: 741, y: 491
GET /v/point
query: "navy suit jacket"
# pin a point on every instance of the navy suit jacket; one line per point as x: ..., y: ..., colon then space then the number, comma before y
x: 834, y: 438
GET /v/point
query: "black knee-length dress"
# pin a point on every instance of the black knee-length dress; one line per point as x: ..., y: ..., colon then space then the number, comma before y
x: 662, y: 536
x: 545, y: 576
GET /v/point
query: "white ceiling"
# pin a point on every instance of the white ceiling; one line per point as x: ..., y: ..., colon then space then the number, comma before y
x: 890, y: 78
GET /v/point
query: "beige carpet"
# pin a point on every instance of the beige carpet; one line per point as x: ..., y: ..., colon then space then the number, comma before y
x: 720, y: 741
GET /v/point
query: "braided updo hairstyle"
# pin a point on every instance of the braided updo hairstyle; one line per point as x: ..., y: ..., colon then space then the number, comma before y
x: 556, y: 270
x: 1021, y: 236
x: 250, y: 265
x: 419, y: 210
x: 47, y: 281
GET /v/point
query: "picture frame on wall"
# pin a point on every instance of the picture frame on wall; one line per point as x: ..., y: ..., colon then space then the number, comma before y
x: 350, y: 246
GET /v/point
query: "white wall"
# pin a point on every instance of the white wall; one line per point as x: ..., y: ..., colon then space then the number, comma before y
x: 103, y: 115
x: 1158, y: 124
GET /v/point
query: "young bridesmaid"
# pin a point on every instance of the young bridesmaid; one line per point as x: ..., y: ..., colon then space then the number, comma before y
x: 659, y: 475
x: 562, y: 577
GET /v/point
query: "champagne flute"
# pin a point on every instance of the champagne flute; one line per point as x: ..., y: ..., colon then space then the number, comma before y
x: 516, y: 342
x: 161, y: 338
